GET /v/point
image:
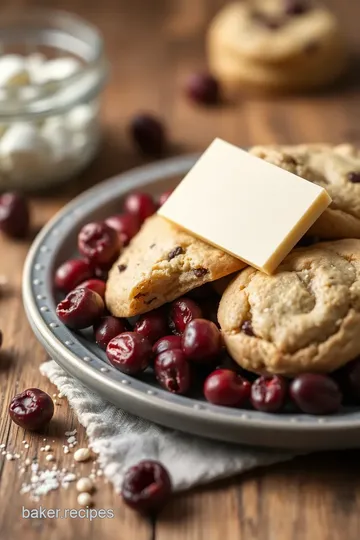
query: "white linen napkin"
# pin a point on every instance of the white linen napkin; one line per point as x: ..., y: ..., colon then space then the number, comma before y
x: 122, y: 439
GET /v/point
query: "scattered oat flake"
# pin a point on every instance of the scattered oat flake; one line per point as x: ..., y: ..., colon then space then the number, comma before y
x: 47, y: 448
x: 26, y: 445
x: 70, y: 433
x: 9, y: 457
x: 71, y: 439
x: 50, y: 457
x: 66, y: 450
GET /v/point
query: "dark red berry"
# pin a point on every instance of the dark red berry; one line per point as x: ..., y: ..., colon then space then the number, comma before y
x: 96, y: 285
x: 201, y: 341
x: 348, y: 378
x: 247, y: 328
x: 80, y: 309
x: 14, y: 215
x: 268, y: 393
x: 173, y: 372
x: 296, y: 7
x: 71, y: 273
x: 99, y: 243
x: 203, y: 88
x: 152, y: 325
x: 146, y: 486
x: 226, y: 387
x: 314, y: 393
x: 129, y: 352
x: 164, y: 197
x: 127, y: 225
x: 107, y: 328
x: 141, y: 205
x: 354, y: 177
x: 167, y: 343
x: 182, y: 311
x: 148, y: 133
x: 32, y: 409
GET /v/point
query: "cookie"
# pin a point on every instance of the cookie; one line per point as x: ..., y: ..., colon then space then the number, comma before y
x: 162, y: 263
x: 335, y: 168
x: 304, y: 318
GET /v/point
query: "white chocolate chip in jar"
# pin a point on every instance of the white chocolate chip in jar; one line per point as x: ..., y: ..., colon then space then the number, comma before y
x: 13, y: 70
x: 56, y: 70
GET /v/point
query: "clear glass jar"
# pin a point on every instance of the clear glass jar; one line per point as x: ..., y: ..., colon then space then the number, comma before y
x: 52, y: 70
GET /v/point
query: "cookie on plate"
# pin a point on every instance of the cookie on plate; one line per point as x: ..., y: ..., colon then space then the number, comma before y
x: 304, y: 318
x: 335, y: 168
x: 162, y: 263
x: 275, y: 45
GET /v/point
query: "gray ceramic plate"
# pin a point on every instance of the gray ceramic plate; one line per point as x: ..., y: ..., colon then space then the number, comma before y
x: 84, y: 360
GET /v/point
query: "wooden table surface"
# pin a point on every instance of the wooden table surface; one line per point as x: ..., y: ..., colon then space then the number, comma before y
x: 152, y: 46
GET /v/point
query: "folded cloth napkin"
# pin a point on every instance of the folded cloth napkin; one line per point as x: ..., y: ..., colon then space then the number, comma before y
x: 122, y: 440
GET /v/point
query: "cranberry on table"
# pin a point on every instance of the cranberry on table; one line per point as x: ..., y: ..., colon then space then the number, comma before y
x: 141, y: 205
x: 129, y: 352
x: 201, y: 341
x: 80, y: 309
x: 268, y: 393
x: 146, y: 486
x: 227, y: 388
x: 164, y: 197
x: 107, y: 328
x: 99, y: 243
x: 203, y: 88
x: 166, y: 343
x: 173, y: 371
x: 14, y: 215
x: 314, y: 393
x: 96, y: 285
x: 148, y: 134
x: 127, y: 225
x: 182, y: 311
x: 152, y: 325
x: 71, y: 273
x: 32, y: 409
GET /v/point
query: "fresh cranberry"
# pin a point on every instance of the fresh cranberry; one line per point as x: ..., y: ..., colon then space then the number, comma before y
x: 164, y: 197
x: 296, y: 7
x: 127, y: 225
x: 107, y: 328
x: 148, y: 134
x: 166, y: 343
x: 141, y: 205
x: 80, y: 309
x: 32, y: 409
x: 14, y: 215
x: 71, y: 273
x: 99, y: 243
x: 314, y: 393
x: 182, y: 311
x: 226, y: 387
x: 173, y: 372
x: 268, y: 393
x: 96, y: 285
x: 203, y: 88
x: 348, y: 378
x: 146, y: 486
x: 152, y: 325
x: 129, y: 352
x: 201, y: 340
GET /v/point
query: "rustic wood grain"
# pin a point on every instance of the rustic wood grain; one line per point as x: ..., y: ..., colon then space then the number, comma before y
x: 152, y: 46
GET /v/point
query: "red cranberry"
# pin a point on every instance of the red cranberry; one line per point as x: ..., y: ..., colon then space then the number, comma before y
x: 166, y: 343
x: 127, y: 225
x: 96, y: 285
x: 80, y: 309
x: 152, y: 325
x: 99, y: 243
x: 146, y: 486
x: 129, y: 352
x: 348, y: 378
x: 226, y: 387
x: 182, y: 311
x: 201, y: 340
x: 296, y: 7
x: 173, y: 372
x: 14, y: 215
x: 268, y: 393
x: 314, y: 393
x: 203, y: 88
x: 71, y: 273
x: 141, y: 205
x: 148, y: 134
x: 32, y: 409
x: 164, y: 197
x: 107, y: 328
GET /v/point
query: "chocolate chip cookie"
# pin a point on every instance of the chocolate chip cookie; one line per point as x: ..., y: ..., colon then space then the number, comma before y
x: 305, y: 317
x: 162, y: 263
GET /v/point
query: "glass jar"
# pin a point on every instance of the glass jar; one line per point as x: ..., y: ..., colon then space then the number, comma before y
x: 52, y: 70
